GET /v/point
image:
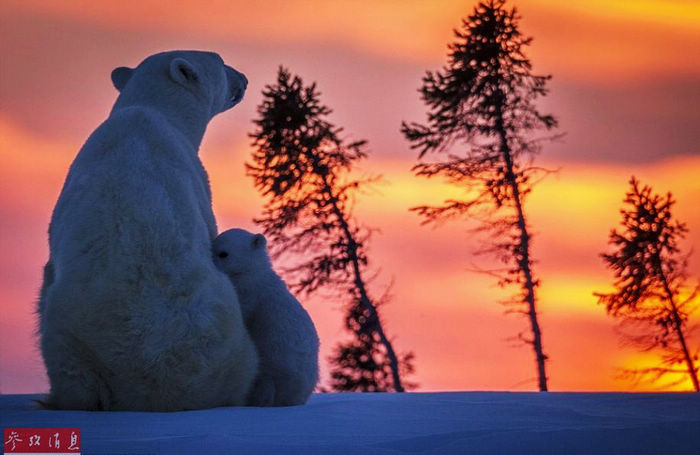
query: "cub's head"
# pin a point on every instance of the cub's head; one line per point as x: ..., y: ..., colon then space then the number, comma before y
x: 238, y: 252
x: 181, y: 79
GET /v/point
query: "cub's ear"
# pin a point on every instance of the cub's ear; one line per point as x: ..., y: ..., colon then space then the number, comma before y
x: 120, y: 76
x: 259, y: 241
x: 182, y: 72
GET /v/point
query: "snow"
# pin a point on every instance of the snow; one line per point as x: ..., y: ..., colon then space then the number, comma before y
x: 415, y: 423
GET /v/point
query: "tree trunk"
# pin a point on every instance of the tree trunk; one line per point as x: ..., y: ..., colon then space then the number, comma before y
x: 364, y: 297
x: 524, y: 262
x: 677, y: 325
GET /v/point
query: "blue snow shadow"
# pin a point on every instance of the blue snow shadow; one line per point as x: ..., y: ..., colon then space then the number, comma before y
x: 412, y: 423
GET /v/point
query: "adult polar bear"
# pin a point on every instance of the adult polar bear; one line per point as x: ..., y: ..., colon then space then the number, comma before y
x: 133, y: 312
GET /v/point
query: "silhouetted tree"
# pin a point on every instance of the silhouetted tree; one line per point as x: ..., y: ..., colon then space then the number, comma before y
x: 651, y: 283
x: 301, y: 165
x: 482, y: 103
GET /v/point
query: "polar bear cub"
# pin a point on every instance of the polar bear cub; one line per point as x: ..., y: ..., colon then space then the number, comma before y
x: 281, y: 329
x: 134, y: 315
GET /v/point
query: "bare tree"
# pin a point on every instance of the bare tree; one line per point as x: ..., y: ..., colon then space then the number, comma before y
x: 482, y: 102
x: 652, y: 297
x: 302, y: 165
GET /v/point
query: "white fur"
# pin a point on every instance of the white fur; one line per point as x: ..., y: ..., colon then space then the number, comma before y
x: 282, y: 330
x: 133, y: 312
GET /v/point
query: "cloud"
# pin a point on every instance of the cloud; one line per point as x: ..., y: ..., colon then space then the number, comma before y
x: 630, y: 124
x: 583, y: 39
x: 57, y: 60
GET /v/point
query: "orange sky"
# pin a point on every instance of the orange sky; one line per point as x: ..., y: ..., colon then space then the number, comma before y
x: 626, y: 89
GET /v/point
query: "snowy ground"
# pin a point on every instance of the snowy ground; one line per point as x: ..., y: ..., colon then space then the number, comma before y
x: 415, y: 423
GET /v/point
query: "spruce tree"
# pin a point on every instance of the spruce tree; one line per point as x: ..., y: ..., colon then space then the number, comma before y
x: 483, y: 123
x: 302, y: 166
x: 652, y: 297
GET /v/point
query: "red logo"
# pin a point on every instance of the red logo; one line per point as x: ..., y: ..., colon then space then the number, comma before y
x: 42, y: 440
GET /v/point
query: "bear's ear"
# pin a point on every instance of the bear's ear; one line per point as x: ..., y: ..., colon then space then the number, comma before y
x: 259, y: 241
x: 182, y: 72
x: 120, y: 76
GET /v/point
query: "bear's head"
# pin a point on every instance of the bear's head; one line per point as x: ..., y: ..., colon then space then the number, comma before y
x: 238, y: 252
x: 193, y: 85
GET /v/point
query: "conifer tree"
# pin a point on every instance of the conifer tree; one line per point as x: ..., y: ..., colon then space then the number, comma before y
x: 301, y: 165
x: 483, y: 123
x: 652, y: 297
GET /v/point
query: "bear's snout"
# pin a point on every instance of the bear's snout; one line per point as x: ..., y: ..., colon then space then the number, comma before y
x: 238, y: 83
x: 243, y: 79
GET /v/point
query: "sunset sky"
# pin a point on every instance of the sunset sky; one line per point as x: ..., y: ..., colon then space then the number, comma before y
x: 625, y: 88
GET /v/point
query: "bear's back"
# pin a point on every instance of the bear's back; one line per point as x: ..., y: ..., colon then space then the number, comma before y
x: 279, y: 323
x: 134, y: 184
x: 130, y: 245
x: 286, y: 339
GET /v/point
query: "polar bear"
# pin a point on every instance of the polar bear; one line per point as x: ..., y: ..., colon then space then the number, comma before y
x: 133, y: 313
x: 282, y: 330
